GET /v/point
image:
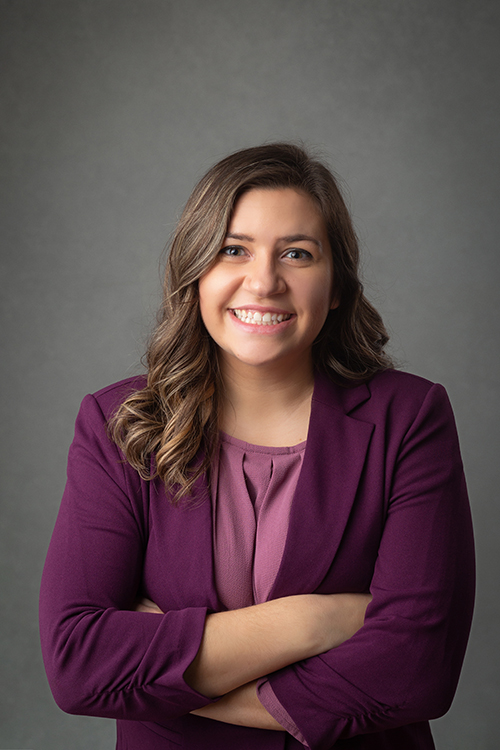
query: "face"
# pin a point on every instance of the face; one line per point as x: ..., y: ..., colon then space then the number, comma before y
x: 268, y: 294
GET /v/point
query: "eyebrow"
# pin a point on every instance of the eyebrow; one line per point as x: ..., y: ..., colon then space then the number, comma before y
x: 288, y: 238
x: 244, y: 237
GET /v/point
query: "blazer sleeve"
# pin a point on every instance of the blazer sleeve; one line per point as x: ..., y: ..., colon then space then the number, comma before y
x: 403, y: 665
x: 101, y: 657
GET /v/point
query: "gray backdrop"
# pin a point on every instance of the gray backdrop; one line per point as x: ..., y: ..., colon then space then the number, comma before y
x: 111, y: 111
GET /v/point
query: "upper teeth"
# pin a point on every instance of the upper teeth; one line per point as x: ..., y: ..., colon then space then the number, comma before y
x: 259, y: 319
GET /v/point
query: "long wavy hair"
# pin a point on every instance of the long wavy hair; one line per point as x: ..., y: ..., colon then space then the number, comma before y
x: 161, y: 428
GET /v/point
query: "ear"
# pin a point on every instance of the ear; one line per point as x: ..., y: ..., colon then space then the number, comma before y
x: 335, y: 302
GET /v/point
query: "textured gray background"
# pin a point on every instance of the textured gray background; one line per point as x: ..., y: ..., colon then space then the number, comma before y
x: 111, y: 109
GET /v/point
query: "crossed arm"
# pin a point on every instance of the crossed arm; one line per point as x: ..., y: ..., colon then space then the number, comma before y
x: 240, y: 646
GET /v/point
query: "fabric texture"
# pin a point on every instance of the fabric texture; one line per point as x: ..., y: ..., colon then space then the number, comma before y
x: 252, y: 489
x: 380, y: 505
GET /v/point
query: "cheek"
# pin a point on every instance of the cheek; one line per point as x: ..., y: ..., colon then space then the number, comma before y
x: 321, y: 295
x: 204, y: 297
x: 207, y: 289
x: 213, y: 285
x: 213, y: 293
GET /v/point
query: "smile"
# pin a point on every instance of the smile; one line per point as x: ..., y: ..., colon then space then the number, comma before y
x: 260, y: 319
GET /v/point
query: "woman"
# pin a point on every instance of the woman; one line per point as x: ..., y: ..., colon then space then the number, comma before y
x: 266, y: 543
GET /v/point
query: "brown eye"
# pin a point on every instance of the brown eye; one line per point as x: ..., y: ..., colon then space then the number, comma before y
x: 232, y: 251
x: 298, y: 254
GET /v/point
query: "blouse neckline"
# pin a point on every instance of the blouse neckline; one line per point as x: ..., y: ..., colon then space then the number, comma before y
x: 275, y: 450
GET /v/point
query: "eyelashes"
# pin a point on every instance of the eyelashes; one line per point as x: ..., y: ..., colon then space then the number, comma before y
x: 233, y: 251
x: 295, y: 253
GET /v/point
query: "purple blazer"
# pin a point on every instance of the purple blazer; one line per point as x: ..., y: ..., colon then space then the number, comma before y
x: 380, y: 505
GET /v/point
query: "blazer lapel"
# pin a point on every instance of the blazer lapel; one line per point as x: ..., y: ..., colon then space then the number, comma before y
x: 336, y: 450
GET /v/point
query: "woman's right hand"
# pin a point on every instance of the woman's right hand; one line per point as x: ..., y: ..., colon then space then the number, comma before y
x: 334, y: 618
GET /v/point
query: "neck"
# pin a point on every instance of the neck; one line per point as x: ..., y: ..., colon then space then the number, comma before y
x: 267, y: 406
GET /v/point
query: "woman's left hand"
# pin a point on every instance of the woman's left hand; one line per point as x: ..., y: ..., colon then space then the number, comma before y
x: 146, y: 605
x: 241, y: 707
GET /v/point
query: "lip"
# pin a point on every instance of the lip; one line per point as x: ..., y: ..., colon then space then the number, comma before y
x: 265, y: 330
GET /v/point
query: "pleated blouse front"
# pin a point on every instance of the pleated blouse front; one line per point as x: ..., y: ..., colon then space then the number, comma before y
x: 252, y: 491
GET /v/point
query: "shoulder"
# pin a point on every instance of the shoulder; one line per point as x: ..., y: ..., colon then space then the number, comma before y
x: 395, y: 383
x: 405, y: 386
x: 93, y: 453
x: 97, y: 408
x: 401, y: 397
x: 389, y: 394
x: 110, y: 398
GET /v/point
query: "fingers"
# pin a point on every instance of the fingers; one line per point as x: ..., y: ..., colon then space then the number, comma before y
x: 146, y: 605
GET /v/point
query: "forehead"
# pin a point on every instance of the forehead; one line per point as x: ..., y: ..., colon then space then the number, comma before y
x: 272, y: 206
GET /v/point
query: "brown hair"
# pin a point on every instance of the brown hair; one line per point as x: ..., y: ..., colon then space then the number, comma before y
x: 177, y: 412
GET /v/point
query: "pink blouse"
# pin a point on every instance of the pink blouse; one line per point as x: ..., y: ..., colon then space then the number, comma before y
x: 252, y: 491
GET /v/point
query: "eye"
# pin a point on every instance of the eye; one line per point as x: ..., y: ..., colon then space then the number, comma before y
x: 232, y: 251
x: 297, y: 253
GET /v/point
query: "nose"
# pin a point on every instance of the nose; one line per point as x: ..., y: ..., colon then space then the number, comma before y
x: 264, y: 278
